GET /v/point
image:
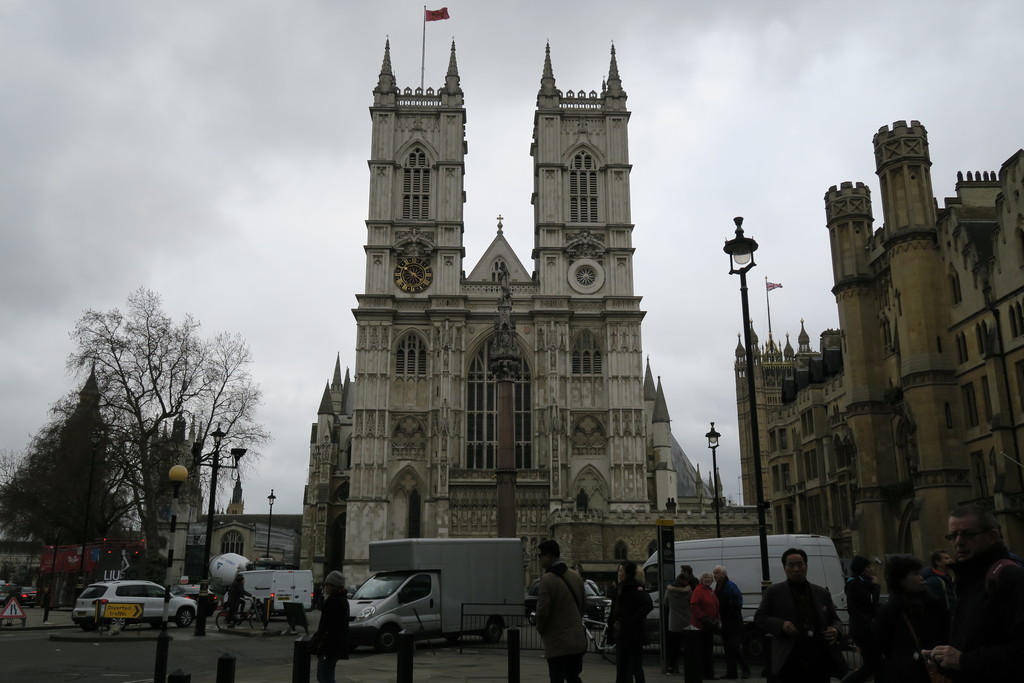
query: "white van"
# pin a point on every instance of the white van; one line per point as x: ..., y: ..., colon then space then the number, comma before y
x: 280, y: 586
x: 741, y: 557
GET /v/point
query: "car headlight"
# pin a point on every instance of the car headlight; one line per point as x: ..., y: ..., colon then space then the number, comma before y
x: 366, y: 612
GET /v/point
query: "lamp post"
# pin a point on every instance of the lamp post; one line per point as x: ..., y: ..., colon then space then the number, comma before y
x: 177, y: 475
x: 713, y: 445
x: 95, y: 438
x: 270, y: 517
x: 741, y: 259
x: 215, y: 466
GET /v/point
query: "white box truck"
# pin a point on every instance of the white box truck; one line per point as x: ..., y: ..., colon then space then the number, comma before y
x: 279, y: 586
x: 438, y: 587
x: 741, y: 557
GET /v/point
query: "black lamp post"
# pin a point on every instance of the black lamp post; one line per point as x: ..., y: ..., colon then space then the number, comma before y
x: 177, y: 474
x: 270, y: 517
x: 713, y: 445
x: 215, y: 466
x: 741, y: 259
x: 95, y: 438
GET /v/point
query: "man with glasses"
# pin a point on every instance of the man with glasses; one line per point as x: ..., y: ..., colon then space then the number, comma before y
x: 986, y: 639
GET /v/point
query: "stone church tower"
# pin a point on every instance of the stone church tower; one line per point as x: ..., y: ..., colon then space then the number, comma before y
x: 408, y: 447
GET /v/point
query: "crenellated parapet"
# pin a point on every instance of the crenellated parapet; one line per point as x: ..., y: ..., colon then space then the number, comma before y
x: 847, y: 202
x: 901, y: 143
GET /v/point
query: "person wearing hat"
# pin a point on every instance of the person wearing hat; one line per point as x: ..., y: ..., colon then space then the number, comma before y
x: 862, y: 592
x: 330, y: 642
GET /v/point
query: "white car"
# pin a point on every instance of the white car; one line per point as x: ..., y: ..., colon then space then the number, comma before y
x: 180, y: 610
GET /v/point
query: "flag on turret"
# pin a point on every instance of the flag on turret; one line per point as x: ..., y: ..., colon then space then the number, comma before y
x: 435, y: 14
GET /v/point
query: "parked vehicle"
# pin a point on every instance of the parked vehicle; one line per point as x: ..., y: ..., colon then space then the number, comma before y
x: 26, y: 596
x: 433, y: 587
x: 596, y: 604
x: 279, y: 586
x: 741, y: 556
x: 191, y: 591
x: 180, y: 610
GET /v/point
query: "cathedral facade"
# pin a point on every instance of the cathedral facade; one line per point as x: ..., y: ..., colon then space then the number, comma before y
x: 408, y: 446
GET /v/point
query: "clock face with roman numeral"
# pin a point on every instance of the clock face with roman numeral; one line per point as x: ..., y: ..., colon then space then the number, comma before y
x: 413, y: 274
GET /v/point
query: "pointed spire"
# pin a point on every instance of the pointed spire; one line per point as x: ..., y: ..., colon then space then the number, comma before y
x: 650, y: 392
x: 788, y: 351
x: 236, y: 495
x: 386, y: 81
x: 613, y: 89
x: 740, y: 351
x: 451, y: 79
x: 336, y: 380
x: 803, y: 340
x: 660, y: 406
x: 326, y: 404
x: 548, y: 94
x: 91, y: 388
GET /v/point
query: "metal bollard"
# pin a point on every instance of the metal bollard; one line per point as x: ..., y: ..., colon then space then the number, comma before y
x: 300, y: 660
x: 513, y: 655
x: 226, y: 668
x: 406, y: 647
x: 179, y: 676
x: 163, y: 645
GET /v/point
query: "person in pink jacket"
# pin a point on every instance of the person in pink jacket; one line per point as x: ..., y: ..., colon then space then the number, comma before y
x: 704, y: 615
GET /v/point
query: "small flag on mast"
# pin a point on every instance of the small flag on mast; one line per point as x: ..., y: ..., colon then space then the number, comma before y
x: 772, y: 285
x: 435, y: 14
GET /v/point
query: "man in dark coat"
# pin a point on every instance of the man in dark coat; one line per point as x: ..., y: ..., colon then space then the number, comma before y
x: 803, y: 623
x: 730, y: 607
x: 330, y: 642
x: 560, y: 604
x: 986, y: 638
x: 937, y: 579
x: 235, y: 599
x: 862, y: 593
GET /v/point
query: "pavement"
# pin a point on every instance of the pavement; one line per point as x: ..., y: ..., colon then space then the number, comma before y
x: 442, y: 662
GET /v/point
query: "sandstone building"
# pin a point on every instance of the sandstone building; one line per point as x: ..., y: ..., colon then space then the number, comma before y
x: 923, y: 411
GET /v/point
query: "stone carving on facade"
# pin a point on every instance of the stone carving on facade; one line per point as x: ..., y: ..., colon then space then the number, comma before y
x: 585, y: 244
x: 414, y: 242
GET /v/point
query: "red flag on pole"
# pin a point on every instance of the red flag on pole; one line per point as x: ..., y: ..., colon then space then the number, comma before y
x: 772, y: 285
x: 435, y: 14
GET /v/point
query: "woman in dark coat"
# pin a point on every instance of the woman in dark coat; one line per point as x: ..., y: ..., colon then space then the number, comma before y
x: 330, y: 642
x: 628, y: 622
x: 911, y: 620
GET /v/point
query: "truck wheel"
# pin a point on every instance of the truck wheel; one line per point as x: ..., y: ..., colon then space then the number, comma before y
x: 387, y: 639
x: 493, y: 630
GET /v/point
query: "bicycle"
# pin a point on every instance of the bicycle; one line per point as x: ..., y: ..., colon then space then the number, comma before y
x: 253, y: 611
x: 597, y: 638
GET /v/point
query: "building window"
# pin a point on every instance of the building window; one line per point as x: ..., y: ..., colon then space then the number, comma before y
x: 980, y: 474
x: 949, y: 415
x: 621, y: 550
x: 954, y: 285
x: 415, y: 515
x: 811, y: 464
x: 232, y: 542
x: 411, y: 357
x: 416, y: 187
x: 583, y: 189
x: 783, y: 441
x: 970, y: 404
x: 482, y: 416
x: 986, y: 399
x: 786, y: 480
x: 586, y: 356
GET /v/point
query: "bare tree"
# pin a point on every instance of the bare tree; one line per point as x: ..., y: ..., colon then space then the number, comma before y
x: 154, y: 375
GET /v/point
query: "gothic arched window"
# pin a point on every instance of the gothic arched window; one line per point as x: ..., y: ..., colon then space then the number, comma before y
x: 411, y: 357
x: 414, y: 515
x: 621, y: 550
x: 232, y: 542
x: 416, y: 187
x: 482, y: 416
x: 583, y: 189
x: 586, y: 355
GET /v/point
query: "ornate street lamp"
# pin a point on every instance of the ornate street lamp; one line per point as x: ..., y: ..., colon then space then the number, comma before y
x: 713, y: 445
x: 741, y: 259
x: 177, y: 475
x: 215, y: 466
x: 270, y: 499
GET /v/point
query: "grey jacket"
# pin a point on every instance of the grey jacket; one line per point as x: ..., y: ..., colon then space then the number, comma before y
x: 560, y: 607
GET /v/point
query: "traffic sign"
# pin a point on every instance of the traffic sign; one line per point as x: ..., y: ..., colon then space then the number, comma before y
x: 13, y: 610
x: 122, y: 610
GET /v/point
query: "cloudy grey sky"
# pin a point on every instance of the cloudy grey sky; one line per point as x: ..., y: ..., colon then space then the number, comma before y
x: 216, y: 153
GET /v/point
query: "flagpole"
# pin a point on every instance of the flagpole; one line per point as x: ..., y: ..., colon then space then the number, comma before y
x: 768, y: 301
x: 423, y: 53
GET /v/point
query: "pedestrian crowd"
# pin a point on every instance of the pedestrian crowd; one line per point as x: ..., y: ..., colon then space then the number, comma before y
x: 958, y: 620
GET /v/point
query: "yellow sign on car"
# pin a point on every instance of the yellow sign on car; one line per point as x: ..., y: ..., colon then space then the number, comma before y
x: 122, y: 610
